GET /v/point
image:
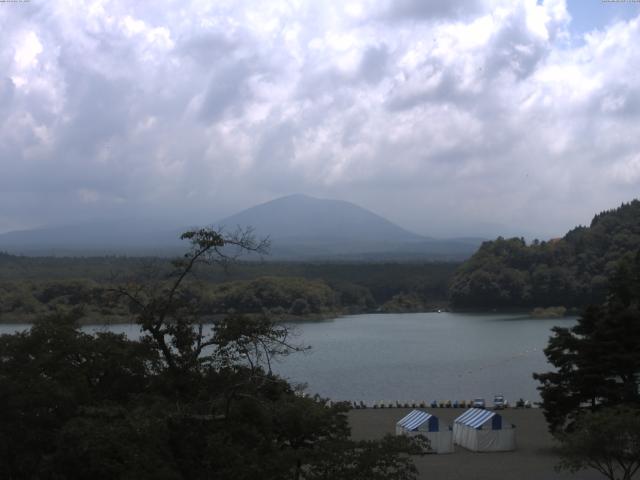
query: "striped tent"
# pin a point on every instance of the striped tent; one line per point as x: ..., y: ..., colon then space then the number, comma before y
x: 422, y: 423
x: 482, y: 430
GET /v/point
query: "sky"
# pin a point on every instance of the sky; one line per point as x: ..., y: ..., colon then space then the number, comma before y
x: 448, y: 117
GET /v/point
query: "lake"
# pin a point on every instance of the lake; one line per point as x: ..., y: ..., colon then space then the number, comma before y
x: 423, y: 356
x: 414, y: 357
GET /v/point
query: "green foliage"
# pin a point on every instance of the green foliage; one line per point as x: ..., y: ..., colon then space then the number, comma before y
x: 549, y: 312
x: 183, y: 402
x: 110, y: 442
x: 607, y: 441
x: 23, y: 301
x: 597, y: 361
x: 270, y: 293
x: 48, y: 374
x: 572, y: 271
x: 407, y: 303
x: 36, y: 286
x: 250, y: 288
x: 386, y: 459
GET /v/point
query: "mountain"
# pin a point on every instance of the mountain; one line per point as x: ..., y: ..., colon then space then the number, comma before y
x: 572, y: 271
x: 300, y: 218
x: 304, y: 227
x: 300, y: 228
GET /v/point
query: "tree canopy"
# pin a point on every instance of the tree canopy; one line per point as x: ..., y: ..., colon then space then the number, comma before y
x: 597, y: 361
x: 607, y: 441
x: 572, y: 271
x: 186, y: 401
x: 32, y: 287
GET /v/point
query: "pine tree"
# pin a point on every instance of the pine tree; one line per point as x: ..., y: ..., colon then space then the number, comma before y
x: 597, y: 361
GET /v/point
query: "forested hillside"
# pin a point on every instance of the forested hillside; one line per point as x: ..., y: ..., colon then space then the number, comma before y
x: 33, y: 286
x: 282, y: 297
x: 572, y: 271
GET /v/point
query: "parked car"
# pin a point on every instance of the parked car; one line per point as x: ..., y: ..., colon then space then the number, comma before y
x: 498, y: 402
x: 478, y: 403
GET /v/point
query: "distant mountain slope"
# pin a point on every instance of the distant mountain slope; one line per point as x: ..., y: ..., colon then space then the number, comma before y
x: 572, y: 271
x: 300, y: 228
x: 300, y: 218
x: 94, y: 238
x: 303, y: 227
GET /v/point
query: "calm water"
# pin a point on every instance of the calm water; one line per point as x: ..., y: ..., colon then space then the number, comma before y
x: 413, y: 357
x: 425, y: 356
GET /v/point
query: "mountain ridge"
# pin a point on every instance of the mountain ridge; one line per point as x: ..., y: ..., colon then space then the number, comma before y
x: 303, y: 216
x: 300, y: 227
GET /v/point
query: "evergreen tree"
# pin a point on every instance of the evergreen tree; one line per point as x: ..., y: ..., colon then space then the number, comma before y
x: 597, y: 361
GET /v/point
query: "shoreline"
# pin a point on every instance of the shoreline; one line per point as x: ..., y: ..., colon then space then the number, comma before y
x: 533, y: 459
x: 9, y: 319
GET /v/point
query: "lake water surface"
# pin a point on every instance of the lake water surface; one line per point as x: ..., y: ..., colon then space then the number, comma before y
x: 424, y: 356
x: 413, y: 357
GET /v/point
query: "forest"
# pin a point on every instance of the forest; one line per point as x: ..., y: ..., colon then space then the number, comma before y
x: 32, y: 286
x: 179, y: 403
x: 572, y: 271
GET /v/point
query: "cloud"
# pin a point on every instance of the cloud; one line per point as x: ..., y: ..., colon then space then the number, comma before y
x: 228, y: 89
x: 436, y: 114
x: 434, y: 9
x: 374, y: 62
x: 7, y: 89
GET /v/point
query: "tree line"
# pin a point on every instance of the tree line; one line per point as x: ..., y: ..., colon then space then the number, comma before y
x: 591, y: 399
x: 285, y: 290
x: 573, y: 271
x: 182, y: 402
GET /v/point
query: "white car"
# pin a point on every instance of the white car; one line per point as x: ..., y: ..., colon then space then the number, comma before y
x: 499, y: 402
x: 478, y: 403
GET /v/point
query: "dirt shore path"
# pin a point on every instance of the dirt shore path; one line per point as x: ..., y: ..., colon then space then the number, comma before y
x: 534, y: 458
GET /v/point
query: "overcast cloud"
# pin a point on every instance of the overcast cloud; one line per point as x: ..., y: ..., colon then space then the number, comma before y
x: 443, y: 116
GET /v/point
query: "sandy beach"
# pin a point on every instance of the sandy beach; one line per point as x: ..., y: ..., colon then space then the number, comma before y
x: 533, y: 459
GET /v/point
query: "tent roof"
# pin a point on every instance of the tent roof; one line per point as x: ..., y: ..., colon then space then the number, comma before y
x: 414, y: 419
x: 475, y: 417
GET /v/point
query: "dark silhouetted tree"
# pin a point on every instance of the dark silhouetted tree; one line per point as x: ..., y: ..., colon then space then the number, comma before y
x: 607, y: 440
x: 597, y: 361
x: 185, y: 401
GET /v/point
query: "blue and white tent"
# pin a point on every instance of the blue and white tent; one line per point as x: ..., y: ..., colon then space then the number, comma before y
x: 482, y: 430
x: 427, y: 425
